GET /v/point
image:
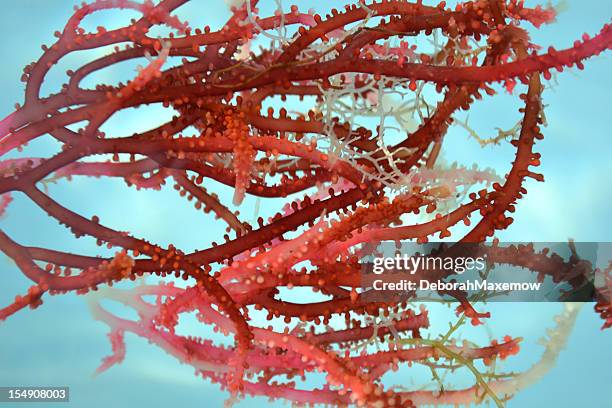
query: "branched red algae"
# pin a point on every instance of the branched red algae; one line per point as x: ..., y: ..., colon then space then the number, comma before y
x: 364, y: 185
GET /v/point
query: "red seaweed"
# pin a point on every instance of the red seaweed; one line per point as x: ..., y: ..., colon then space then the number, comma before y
x: 354, y: 185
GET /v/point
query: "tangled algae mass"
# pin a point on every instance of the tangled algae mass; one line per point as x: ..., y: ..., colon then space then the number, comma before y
x: 342, y: 119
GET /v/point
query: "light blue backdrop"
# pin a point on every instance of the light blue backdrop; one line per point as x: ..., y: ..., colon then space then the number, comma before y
x: 60, y: 344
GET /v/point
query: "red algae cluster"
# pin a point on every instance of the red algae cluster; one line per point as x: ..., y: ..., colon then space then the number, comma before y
x: 344, y: 184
